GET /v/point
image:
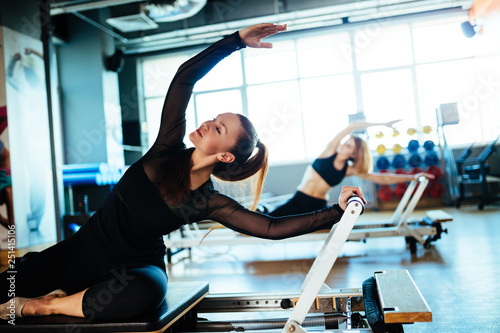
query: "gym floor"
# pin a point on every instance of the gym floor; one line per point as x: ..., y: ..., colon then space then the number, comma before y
x: 458, y: 276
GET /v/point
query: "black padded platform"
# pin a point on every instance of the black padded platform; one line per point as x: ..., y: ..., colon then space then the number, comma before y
x: 181, y: 297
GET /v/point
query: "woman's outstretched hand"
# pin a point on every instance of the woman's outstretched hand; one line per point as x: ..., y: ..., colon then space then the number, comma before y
x: 391, y: 123
x: 347, y: 192
x: 424, y: 174
x: 252, y: 36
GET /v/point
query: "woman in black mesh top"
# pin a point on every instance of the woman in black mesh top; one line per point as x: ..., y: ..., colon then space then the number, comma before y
x: 113, y: 267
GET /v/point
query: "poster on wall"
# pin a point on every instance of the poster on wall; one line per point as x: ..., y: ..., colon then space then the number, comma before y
x: 26, y: 192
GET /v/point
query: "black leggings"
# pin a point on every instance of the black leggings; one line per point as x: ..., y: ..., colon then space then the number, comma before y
x: 300, y: 203
x: 115, y: 290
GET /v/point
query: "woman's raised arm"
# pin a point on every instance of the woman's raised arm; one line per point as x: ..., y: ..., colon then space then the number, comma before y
x: 173, y: 122
x: 333, y: 145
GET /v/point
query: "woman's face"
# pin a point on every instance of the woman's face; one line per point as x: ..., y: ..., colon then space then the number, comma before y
x: 218, y: 135
x: 348, y: 149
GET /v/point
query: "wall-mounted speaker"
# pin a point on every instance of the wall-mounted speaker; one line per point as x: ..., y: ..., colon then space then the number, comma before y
x: 115, y: 62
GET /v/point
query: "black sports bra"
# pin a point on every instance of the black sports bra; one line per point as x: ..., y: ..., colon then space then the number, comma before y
x: 324, y: 167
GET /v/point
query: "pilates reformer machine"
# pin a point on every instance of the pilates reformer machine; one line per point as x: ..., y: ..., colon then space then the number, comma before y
x: 416, y: 231
x: 385, y: 302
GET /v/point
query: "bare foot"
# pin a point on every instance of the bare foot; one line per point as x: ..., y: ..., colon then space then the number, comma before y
x: 40, y: 306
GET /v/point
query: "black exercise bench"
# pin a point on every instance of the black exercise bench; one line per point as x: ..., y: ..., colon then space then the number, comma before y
x: 181, y: 298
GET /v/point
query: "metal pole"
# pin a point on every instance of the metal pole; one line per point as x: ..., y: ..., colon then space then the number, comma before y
x: 46, y: 35
x: 323, y: 264
x: 100, y: 27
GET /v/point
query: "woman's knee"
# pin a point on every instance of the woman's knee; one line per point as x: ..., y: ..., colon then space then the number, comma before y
x: 150, y: 286
x: 129, y: 293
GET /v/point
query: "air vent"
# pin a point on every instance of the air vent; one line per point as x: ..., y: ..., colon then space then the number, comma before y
x: 175, y: 11
x: 131, y: 23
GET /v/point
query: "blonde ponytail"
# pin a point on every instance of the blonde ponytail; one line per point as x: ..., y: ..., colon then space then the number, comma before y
x: 257, y: 164
x: 262, y: 161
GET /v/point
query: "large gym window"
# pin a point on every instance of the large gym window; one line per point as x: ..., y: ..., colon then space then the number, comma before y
x: 276, y: 113
x: 227, y: 74
x: 389, y: 95
x: 378, y: 46
x: 326, y: 103
x: 299, y: 93
x: 324, y: 55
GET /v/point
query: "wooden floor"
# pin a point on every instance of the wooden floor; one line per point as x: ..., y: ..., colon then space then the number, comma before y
x: 459, y: 276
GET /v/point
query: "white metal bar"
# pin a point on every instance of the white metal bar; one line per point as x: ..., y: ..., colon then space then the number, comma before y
x: 322, y: 265
x: 358, y: 235
x: 411, y: 206
x: 396, y: 217
x: 188, y: 231
x: 320, y: 255
x: 414, y: 200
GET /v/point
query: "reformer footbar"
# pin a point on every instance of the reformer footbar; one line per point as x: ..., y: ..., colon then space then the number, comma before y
x: 323, y: 264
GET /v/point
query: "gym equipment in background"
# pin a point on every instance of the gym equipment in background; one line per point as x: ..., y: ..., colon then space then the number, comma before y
x: 436, y: 171
x: 447, y: 114
x: 398, y: 161
x: 78, y: 179
x: 415, y: 170
x: 411, y: 131
x: 400, y: 171
x: 91, y: 174
x: 400, y: 190
x: 431, y: 159
x: 435, y: 189
x: 396, y: 148
x: 412, y: 162
x: 382, y: 163
x: 385, y: 193
x: 413, y: 145
x: 477, y: 171
x: 415, y: 160
x: 381, y: 149
x: 429, y: 145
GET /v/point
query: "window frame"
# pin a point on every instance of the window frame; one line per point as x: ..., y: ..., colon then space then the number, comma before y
x: 351, y: 29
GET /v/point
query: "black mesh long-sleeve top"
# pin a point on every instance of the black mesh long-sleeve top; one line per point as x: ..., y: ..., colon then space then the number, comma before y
x: 131, y: 223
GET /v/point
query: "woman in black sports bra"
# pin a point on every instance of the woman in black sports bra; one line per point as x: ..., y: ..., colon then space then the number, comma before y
x: 337, y: 161
x: 113, y: 268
